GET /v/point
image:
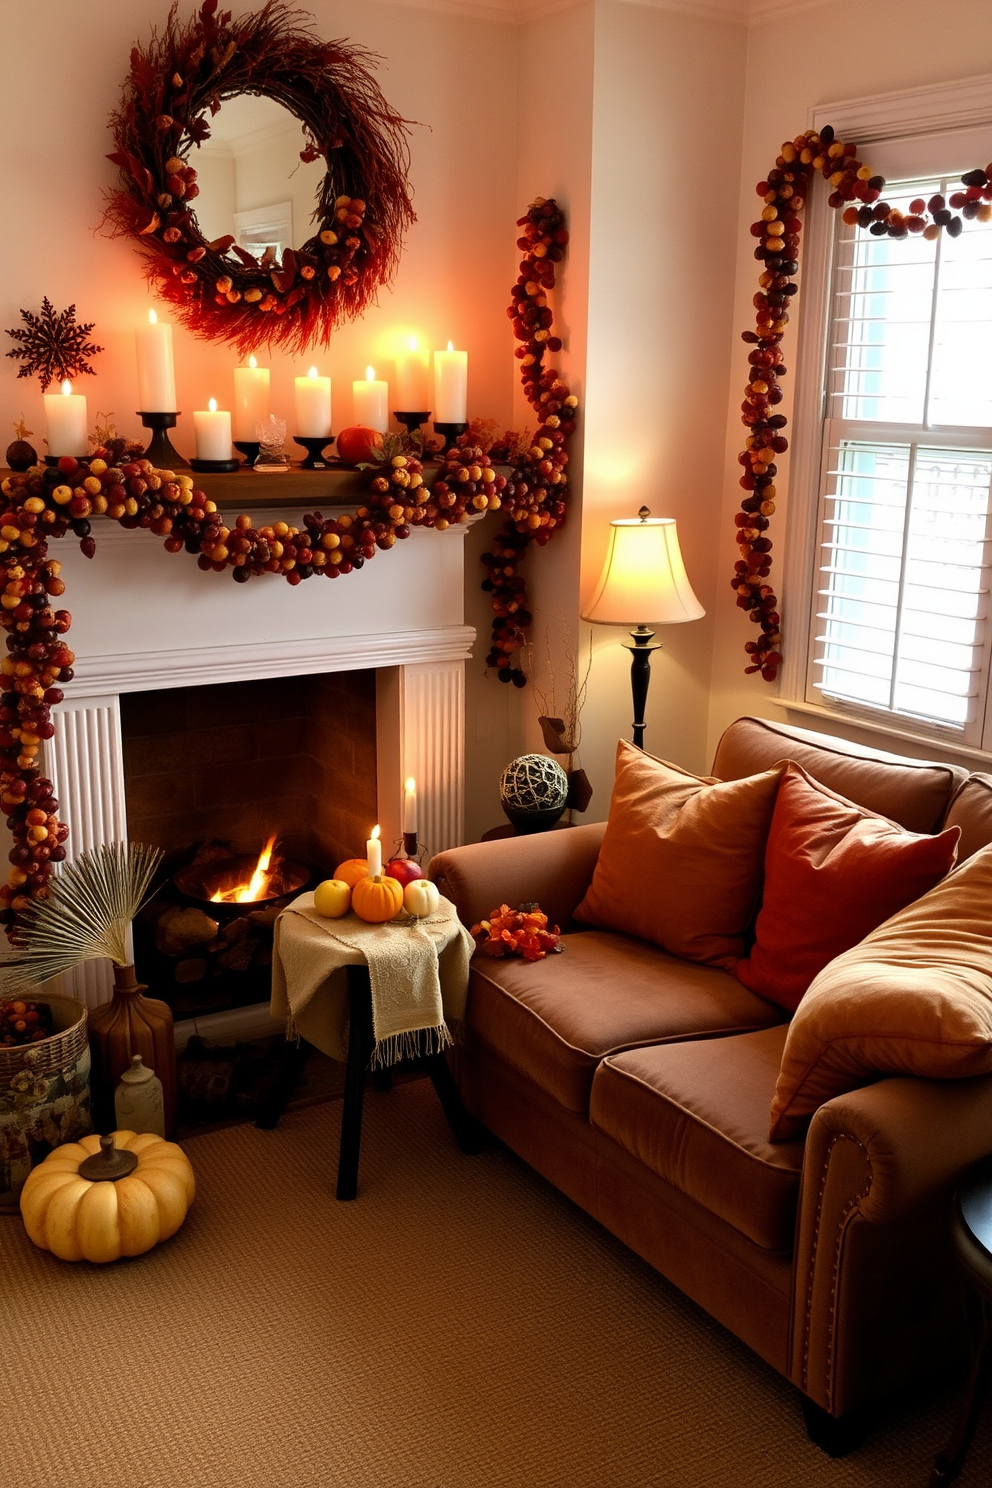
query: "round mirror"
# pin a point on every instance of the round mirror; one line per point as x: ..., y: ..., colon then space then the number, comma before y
x: 296, y: 164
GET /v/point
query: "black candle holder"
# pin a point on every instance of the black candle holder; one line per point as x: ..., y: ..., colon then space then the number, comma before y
x: 160, y: 450
x: 411, y: 421
x: 410, y: 844
x: 449, y: 432
x: 250, y: 448
x: 315, y: 447
x: 214, y: 467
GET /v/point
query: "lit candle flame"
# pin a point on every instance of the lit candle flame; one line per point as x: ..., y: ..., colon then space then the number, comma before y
x: 66, y: 388
x: 212, y: 405
x: 374, y: 834
x: 450, y: 347
x: 414, y: 343
x: 253, y: 361
x: 152, y: 318
x: 410, y: 784
x: 312, y: 372
x: 370, y: 374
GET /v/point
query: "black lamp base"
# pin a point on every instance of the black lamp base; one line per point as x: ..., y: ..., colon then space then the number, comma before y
x: 160, y: 450
x: 640, y: 675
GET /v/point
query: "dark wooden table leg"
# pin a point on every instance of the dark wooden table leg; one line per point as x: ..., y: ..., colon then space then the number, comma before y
x: 294, y: 1057
x: 949, y: 1461
x: 359, y: 1048
x: 470, y: 1134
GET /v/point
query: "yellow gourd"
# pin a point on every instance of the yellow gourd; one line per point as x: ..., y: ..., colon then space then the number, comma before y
x: 377, y: 899
x: 351, y: 870
x: 86, y: 1218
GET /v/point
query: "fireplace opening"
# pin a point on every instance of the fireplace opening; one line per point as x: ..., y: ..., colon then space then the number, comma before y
x: 254, y: 791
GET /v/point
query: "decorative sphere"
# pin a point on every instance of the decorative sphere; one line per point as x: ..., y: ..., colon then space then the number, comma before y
x: 533, y: 782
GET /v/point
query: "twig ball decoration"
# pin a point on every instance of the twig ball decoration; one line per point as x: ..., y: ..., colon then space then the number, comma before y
x: 533, y: 782
x: 218, y: 289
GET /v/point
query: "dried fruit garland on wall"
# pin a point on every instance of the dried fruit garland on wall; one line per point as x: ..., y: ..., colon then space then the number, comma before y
x: 856, y: 189
x: 51, y: 502
x: 217, y: 288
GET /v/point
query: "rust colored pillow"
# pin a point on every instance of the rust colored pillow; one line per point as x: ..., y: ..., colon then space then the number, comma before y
x: 833, y: 872
x: 914, y: 998
x: 681, y: 859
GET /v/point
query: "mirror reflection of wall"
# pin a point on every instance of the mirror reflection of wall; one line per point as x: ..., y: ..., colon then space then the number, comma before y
x: 252, y: 181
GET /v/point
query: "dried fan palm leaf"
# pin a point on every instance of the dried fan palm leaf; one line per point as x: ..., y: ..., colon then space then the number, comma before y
x: 86, y: 915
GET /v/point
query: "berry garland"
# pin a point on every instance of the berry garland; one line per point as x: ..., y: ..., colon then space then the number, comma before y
x: 857, y: 189
x: 219, y: 289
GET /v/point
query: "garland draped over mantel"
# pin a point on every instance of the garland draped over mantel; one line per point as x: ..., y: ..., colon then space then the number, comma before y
x: 47, y: 502
x: 855, y: 188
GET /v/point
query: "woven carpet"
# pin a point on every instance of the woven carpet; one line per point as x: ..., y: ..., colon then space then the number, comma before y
x: 459, y: 1325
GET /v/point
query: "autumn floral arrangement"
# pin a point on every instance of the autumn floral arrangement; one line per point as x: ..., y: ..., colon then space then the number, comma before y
x: 218, y: 289
x: 517, y: 932
x: 858, y: 191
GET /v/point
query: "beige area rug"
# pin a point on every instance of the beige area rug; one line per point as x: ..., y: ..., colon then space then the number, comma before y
x: 460, y: 1325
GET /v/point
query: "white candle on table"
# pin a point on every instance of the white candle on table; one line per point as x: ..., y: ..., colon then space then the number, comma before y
x: 156, y: 372
x: 212, y: 429
x: 251, y: 400
x: 412, y: 379
x: 372, y: 402
x: 65, y: 414
x: 410, y: 805
x: 450, y: 386
x: 373, y: 854
x: 313, y: 406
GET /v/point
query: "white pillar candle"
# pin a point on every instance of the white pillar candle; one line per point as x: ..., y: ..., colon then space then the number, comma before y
x: 412, y: 379
x: 156, y: 372
x: 450, y: 386
x: 212, y: 430
x: 373, y: 854
x: 371, y: 402
x: 251, y: 400
x: 313, y: 406
x: 410, y: 804
x: 65, y: 414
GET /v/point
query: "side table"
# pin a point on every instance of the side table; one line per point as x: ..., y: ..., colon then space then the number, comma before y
x: 972, y: 1234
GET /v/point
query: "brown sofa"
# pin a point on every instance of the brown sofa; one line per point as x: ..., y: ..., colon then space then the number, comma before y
x: 640, y: 1085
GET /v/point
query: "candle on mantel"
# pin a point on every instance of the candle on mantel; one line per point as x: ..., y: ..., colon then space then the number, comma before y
x: 410, y: 806
x: 372, y: 402
x: 251, y: 400
x: 373, y: 854
x: 412, y: 379
x: 450, y: 386
x: 156, y: 372
x: 313, y: 406
x: 65, y: 415
x: 212, y: 430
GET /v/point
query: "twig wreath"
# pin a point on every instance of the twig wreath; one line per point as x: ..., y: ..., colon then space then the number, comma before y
x: 857, y: 189
x: 218, y: 289
x: 49, y: 502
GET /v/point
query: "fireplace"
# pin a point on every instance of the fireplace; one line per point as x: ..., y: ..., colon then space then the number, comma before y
x: 152, y: 634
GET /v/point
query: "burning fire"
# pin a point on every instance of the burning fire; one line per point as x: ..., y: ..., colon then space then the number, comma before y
x: 256, y: 886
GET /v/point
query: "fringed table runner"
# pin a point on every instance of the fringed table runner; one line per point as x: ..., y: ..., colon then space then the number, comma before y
x: 418, y: 973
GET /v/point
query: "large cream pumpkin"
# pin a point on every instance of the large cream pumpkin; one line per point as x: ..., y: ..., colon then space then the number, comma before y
x: 101, y: 1219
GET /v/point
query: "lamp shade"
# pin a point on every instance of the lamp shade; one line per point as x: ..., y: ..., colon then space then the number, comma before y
x: 644, y: 580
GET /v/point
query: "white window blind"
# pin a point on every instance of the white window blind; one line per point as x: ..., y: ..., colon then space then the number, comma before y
x: 904, y: 553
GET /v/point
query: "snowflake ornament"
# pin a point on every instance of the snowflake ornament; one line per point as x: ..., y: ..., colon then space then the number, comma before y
x: 53, y: 347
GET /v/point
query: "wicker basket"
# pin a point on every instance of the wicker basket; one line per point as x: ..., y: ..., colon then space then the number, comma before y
x: 44, y: 1094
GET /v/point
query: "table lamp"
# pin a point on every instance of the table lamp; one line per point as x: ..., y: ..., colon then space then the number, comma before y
x: 643, y: 583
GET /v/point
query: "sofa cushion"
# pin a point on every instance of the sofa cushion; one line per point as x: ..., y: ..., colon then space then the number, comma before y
x: 554, y: 1020
x: 833, y: 872
x: 694, y: 1114
x: 914, y: 793
x: 914, y: 998
x: 971, y: 810
x: 681, y: 859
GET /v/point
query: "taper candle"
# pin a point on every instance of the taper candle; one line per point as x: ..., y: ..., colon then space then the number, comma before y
x: 156, y: 372
x: 65, y: 415
x: 373, y: 854
x: 371, y: 402
x: 410, y: 805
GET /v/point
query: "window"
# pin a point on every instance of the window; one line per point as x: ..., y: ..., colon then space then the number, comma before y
x: 901, y: 560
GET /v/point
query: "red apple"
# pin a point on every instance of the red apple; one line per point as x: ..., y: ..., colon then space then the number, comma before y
x: 355, y: 444
x: 404, y: 870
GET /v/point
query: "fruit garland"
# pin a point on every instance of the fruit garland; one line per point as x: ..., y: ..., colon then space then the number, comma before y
x: 857, y: 189
x: 219, y: 289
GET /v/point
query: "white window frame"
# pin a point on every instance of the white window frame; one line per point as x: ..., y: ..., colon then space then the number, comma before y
x: 945, y: 108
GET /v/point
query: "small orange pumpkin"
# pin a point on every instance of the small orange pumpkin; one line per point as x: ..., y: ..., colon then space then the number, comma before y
x: 377, y: 899
x: 351, y: 870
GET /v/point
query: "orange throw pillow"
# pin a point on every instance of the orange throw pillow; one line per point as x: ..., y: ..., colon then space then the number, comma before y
x: 681, y: 859
x: 914, y: 998
x: 833, y: 872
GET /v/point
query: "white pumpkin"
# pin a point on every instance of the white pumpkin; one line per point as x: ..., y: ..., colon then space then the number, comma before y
x: 421, y: 898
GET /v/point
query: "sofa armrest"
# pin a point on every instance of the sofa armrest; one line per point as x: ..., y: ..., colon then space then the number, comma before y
x: 877, y: 1294
x: 553, y: 869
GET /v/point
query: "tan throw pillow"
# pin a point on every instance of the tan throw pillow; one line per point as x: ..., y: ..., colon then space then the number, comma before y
x: 914, y: 998
x: 682, y: 857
